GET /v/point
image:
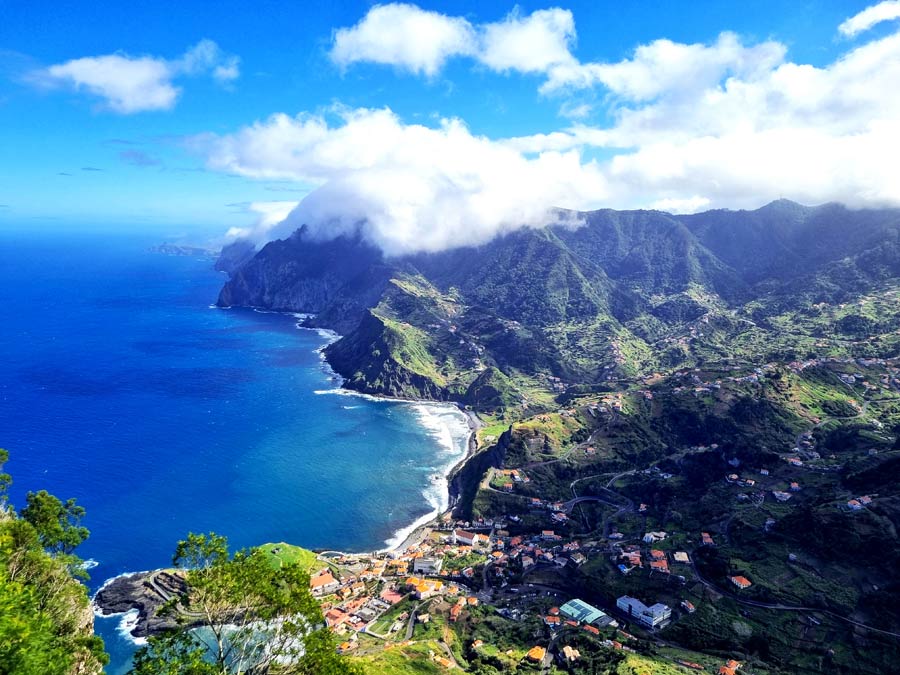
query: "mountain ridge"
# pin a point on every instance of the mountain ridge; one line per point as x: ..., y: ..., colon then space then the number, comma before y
x: 623, y: 294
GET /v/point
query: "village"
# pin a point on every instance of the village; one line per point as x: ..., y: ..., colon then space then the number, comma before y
x: 458, y: 571
x: 459, y: 567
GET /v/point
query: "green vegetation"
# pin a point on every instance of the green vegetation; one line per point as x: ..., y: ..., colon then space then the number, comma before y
x: 411, y: 659
x: 727, y: 372
x: 287, y: 554
x: 257, y: 617
x: 45, y: 619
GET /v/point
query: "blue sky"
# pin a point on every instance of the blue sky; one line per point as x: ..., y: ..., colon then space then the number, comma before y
x: 72, y: 155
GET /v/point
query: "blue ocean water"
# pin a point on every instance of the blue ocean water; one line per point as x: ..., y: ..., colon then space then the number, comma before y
x: 121, y: 386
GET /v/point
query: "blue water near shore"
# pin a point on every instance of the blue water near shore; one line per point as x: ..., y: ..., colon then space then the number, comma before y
x: 121, y: 386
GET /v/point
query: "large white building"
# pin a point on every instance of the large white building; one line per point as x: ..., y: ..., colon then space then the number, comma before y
x: 468, y: 538
x: 427, y: 565
x: 651, y: 617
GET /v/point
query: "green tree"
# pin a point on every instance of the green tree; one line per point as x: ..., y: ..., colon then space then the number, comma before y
x: 5, y: 478
x: 45, y: 619
x: 257, y: 618
x: 57, y: 522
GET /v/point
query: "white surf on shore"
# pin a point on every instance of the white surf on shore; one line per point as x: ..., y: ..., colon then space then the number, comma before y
x: 449, y: 426
x: 125, y: 621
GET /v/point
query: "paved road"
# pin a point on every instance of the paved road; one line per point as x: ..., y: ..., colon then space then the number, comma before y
x: 411, y: 623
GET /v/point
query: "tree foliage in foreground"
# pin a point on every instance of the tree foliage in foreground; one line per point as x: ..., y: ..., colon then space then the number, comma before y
x: 257, y: 618
x: 57, y: 523
x: 45, y: 620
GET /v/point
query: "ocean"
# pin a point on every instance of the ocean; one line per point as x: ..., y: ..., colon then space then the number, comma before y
x: 122, y: 386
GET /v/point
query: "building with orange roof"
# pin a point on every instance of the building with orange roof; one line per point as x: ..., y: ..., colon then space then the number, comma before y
x: 424, y: 588
x: 468, y: 538
x: 660, y: 566
x: 536, y: 654
x: 741, y: 582
x: 323, y: 583
x: 335, y: 617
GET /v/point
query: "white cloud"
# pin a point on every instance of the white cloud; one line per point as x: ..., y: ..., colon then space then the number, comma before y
x: 129, y: 84
x: 207, y: 57
x: 421, y: 41
x: 776, y: 129
x: 268, y: 215
x: 126, y: 84
x: 405, y: 36
x: 529, y: 44
x: 869, y: 17
x: 415, y: 188
x: 680, y: 204
x: 664, y: 67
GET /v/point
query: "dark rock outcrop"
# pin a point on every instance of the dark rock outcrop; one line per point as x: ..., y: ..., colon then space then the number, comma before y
x: 340, y: 278
x: 147, y: 592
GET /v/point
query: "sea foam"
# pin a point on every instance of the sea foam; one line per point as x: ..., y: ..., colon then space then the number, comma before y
x: 450, y: 428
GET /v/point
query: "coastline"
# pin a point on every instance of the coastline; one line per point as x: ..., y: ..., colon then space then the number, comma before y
x: 414, y: 533
x: 418, y: 531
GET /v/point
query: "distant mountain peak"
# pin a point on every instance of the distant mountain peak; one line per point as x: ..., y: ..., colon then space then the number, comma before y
x: 783, y: 204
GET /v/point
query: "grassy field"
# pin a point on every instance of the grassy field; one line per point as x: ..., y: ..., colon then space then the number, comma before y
x: 403, y: 659
x: 283, y: 554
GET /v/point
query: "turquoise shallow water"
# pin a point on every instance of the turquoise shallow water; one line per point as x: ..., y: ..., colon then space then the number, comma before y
x: 120, y: 386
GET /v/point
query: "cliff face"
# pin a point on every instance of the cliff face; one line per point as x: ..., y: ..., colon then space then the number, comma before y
x: 463, y: 483
x: 375, y: 358
x: 343, y: 277
x: 234, y: 255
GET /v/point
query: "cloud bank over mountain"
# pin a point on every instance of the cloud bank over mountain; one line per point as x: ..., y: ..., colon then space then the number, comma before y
x: 688, y: 127
x: 414, y: 188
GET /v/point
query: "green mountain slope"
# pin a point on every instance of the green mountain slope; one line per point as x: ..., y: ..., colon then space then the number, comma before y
x: 622, y: 294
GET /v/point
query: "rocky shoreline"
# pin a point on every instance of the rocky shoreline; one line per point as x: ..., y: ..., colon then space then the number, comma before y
x: 148, y: 593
